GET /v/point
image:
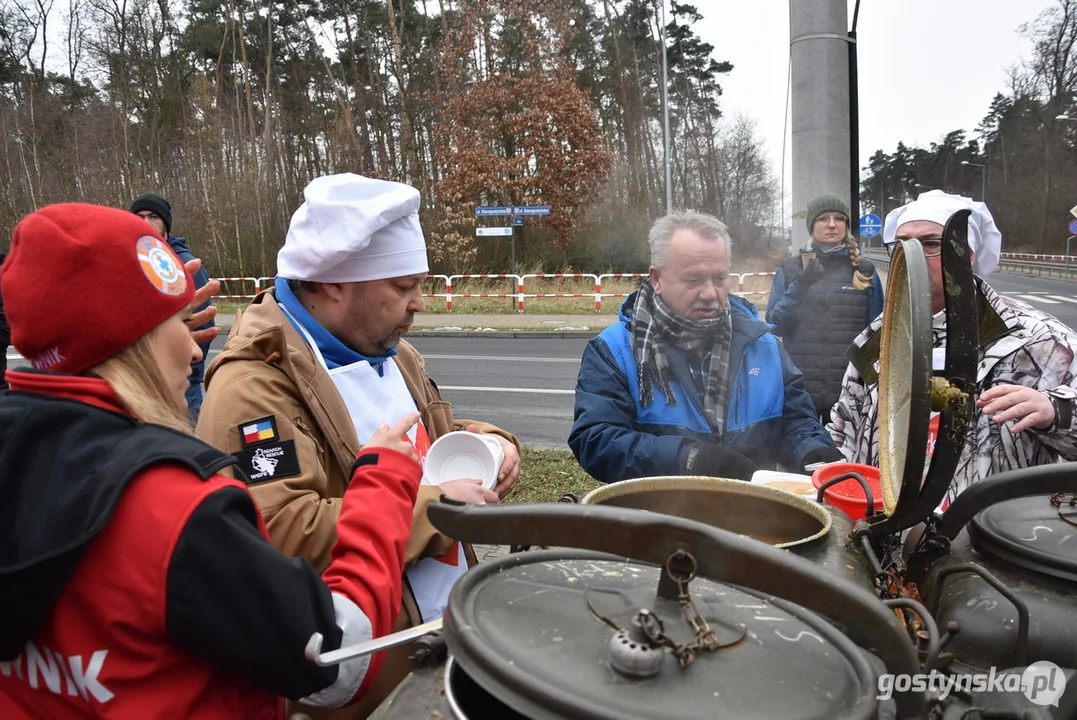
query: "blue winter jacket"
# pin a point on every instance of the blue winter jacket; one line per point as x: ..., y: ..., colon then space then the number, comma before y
x: 615, y: 438
x: 198, y: 370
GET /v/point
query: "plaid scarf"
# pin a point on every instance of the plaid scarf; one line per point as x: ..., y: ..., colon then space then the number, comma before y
x: 654, y: 325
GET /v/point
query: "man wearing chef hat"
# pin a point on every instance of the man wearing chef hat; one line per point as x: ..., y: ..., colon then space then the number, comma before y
x: 1026, y: 375
x: 316, y: 364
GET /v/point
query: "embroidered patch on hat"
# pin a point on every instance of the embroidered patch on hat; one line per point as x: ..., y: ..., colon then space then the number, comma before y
x: 258, y: 431
x: 271, y: 461
x: 160, y: 266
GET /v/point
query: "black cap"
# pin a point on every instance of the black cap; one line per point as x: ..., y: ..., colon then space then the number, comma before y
x: 155, y: 203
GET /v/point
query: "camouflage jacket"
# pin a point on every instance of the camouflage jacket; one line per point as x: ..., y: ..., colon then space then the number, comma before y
x: 1019, y: 345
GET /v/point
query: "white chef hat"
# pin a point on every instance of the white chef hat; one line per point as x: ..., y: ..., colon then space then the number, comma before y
x: 984, y: 237
x: 351, y: 229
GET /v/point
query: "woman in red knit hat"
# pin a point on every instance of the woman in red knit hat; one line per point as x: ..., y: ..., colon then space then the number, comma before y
x: 135, y: 580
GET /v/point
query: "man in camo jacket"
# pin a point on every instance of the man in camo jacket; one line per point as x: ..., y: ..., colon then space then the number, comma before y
x: 1026, y: 377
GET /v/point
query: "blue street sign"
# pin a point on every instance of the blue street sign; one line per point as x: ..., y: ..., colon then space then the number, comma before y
x: 870, y: 225
x: 493, y: 210
x: 531, y: 210
x: 1073, y: 227
x: 519, y: 221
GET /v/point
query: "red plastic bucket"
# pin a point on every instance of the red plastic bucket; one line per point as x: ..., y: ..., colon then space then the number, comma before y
x: 848, y: 495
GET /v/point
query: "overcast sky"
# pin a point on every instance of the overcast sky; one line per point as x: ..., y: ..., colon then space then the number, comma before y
x: 926, y: 66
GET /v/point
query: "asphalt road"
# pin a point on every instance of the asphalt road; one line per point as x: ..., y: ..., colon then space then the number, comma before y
x: 1055, y: 297
x: 523, y: 385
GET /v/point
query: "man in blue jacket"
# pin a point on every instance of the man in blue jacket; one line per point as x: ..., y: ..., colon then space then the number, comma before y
x: 155, y: 210
x: 691, y: 382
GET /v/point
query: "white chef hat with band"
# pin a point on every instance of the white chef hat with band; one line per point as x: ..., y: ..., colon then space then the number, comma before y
x: 985, y: 240
x: 352, y: 228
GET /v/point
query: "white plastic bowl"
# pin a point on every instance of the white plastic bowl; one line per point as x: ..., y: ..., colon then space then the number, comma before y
x: 464, y: 455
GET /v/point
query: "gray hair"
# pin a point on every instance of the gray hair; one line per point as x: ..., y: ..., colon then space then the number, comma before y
x: 705, y: 225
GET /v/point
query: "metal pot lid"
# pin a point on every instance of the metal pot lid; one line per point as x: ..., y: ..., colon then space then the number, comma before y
x: 537, y: 631
x: 1031, y: 533
x: 904, y: 374
x: 910, y: 390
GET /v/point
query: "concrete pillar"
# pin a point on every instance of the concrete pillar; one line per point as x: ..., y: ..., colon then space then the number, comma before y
x: 819, y: 106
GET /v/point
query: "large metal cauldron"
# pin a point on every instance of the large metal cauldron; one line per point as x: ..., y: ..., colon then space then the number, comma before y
x: 819, y: 533
x: 578, y: 633
x: 1000, y: 568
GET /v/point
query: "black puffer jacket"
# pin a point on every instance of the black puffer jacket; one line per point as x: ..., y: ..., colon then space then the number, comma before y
x: 818, y: 322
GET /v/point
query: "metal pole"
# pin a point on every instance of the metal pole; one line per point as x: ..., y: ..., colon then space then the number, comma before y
x: 819, y: 104
x: 665, y: 112
x: 983, y: 184
x: 854, y: 126
x: 1068, y: 252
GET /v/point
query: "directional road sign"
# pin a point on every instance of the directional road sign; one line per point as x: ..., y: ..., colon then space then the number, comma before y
x: 531, y: 210
x: 493, y: 231
x: 1073, y: 211
x: 870, y: 225
x: 494, y: 210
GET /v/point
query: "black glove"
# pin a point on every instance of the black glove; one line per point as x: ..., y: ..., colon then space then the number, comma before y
x: 813, y: 273
x: 723, y: 461
x: 823, y: 455
x: 866, y: 268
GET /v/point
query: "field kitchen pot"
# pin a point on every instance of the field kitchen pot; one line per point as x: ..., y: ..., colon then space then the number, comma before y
x: 599, y: 628
x: 776, y: 517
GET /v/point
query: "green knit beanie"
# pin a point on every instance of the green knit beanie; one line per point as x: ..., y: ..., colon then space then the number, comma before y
x: 826, y: 203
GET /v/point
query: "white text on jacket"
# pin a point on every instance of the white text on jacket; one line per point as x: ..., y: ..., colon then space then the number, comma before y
x: 49, y: 669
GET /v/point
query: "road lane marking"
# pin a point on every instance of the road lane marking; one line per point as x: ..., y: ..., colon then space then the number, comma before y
x: 533, y: 391
x: 1038, y: 299
x: 1063, y: 299
x: 510, y: 358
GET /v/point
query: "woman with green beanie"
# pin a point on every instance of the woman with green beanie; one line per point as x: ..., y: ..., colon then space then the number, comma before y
x: 823, y: 298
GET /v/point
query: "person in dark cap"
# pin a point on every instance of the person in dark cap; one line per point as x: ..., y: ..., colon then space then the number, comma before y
x: 823, y: 298
x: 155, y: 210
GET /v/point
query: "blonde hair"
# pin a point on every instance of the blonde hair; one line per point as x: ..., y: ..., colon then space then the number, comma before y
x: 133, y: 374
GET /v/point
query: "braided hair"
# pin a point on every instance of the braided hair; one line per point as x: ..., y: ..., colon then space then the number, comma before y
x: 862, y: 269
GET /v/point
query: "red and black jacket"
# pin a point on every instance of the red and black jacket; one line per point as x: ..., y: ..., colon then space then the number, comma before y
x: 136, y: 582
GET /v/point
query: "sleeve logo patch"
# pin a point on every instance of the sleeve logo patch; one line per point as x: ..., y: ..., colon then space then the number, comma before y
x: 269, y: 461
x: 258, y: 431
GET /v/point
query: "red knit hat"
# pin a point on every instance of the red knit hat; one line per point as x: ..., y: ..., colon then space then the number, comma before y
x: 83, y: 282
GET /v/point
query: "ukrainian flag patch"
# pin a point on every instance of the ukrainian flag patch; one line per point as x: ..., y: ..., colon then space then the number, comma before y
x: 258, y: 431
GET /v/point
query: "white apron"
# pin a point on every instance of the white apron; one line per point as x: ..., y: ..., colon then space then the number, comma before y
x: 373, y: 399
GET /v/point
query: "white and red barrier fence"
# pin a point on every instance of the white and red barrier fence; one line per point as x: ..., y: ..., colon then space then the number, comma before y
x: 747, y: 284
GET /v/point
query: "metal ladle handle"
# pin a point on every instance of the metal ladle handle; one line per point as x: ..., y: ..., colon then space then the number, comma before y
x: 314, y: 652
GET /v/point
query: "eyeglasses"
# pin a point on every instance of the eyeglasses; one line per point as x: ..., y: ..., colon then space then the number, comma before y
x: 932, y: 246
x: 833, y: 217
